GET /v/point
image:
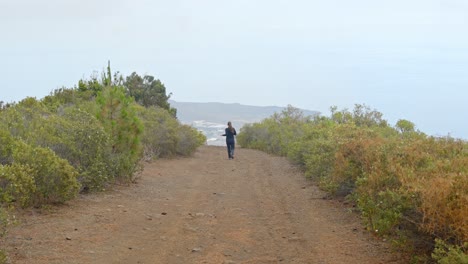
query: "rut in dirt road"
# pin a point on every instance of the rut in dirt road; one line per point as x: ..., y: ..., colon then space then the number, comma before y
x: 204, y: 209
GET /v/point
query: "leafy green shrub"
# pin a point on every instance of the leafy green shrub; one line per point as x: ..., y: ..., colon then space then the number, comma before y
x: 21, y: 119
x: 3, y: 228
x: 118, y: 114
x: 164, y: 136
x: 87, y: 148
x: 254, y: 136
x: 402, y: 180
x: 274, y: 134
x: 3, y: 257
x: 3, y: 222
x: 64, y: 97
x: 188, y: 140
x: 73, y: 134
x: 16, y: 184
x: 383, y: 211
x: 160, y: 133
x: 315, y: 151
x: 54, y: 178
x: 448, y: 254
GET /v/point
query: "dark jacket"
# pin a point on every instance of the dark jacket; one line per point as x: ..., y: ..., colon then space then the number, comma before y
x: 230, y: 134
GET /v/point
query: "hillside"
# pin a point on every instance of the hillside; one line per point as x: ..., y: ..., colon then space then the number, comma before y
x: 211, y: 118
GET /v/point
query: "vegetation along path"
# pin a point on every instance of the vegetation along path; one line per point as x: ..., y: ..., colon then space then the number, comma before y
x: 203, y: 209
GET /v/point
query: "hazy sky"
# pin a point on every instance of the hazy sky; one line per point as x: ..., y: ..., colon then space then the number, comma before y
x: 406, y: 58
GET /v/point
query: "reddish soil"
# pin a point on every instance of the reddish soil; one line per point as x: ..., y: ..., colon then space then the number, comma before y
x: 256, y: 208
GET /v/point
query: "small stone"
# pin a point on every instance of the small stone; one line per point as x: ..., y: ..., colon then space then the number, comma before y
x: 68, y: 238
x: 196, y: 249
x: 295, y: 239
x: 164, y: 213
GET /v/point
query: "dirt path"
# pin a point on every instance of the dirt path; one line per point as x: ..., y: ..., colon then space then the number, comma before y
x: 203, y: 209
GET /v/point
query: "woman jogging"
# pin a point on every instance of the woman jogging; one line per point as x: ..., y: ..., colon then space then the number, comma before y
x: 230, y: 132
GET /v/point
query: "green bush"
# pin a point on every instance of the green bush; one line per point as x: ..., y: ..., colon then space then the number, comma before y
x: 73, y: 134
x: 3, y: 221
x: 188, y: 140
x: 448, y: 254
x: 164, y: 136
x: 382, y: 211
x: 160, y: 133
x: 118, y: 115
x: 254, y: 136
x: 62, y: 98
x: 16, y: 184
x: 403, y: 181
x: 22, y: 121
x: 3, y: 257
x: 54, y: 178
x: 275, y: 134
x: 87, y: 148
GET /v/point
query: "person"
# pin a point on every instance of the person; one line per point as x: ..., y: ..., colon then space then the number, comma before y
x: 230, y: 132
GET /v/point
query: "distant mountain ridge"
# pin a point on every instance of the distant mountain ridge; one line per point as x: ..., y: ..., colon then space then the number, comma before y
x: 212, y: 117
x: 222, y: 112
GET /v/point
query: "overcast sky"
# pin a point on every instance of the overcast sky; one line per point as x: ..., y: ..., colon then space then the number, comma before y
x: 406, y: 58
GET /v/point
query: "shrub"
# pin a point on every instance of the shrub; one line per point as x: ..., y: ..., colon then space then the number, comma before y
x: 188, y: 140
x: 164, y: 136
x: 54, y: 178
x: 3, y: 257
x: 274, y: 134
x: 439, y: 169
x: 448, y: 254
x: 3, y: 228
x: 117, y: 113
x: 64, y: 97
x: 160, y: 133
x: 254, y: 136
x: 87, y: 148
x: 3, y: 221
x: 73, y: 134
x: 16, y: 184
x: 401, y: 180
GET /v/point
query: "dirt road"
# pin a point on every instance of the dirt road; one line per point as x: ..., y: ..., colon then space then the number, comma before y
x: 204, y: 209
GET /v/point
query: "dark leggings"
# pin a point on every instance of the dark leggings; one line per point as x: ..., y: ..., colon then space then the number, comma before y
x: 230, y: 149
